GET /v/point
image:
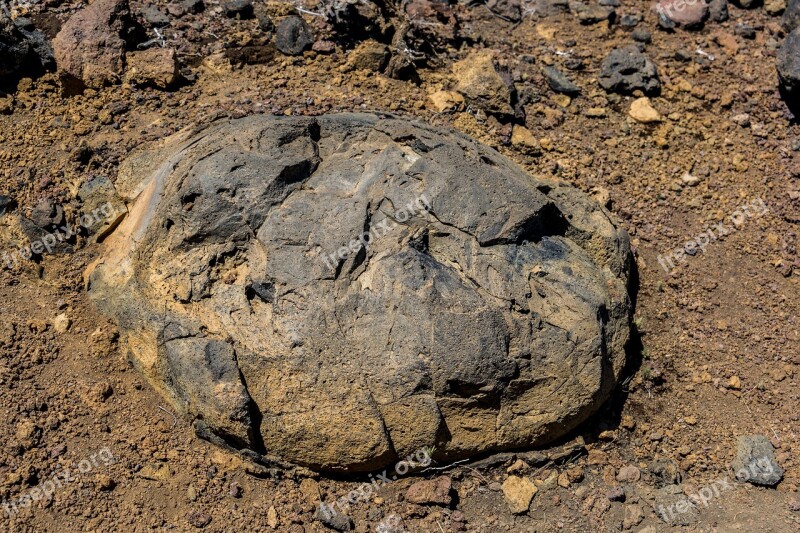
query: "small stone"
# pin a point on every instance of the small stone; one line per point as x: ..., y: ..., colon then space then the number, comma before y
x: 481, y: 85
x: 293, y: 36
x: 446, y: 101
x: 156, y: 472
x: 105, y: 482
x: 157, y: 67
x: 597, y: 457
x: 642, y: 111
x: 191, y: 493
x: 629, y: 474
x: 333, y: 519
x: 369, y: 55
x: 616, y: 494
x: 718, y: 10
x: 559, y: 82
x: 791, y: 17
x: 642, y: 36
x: 518, y: 466
x: 633, y: 516
x: 563, y: 480
x: 324, y: 47
x: 745, y: 31
x: 272, y: 517
x: 794, y: 504
x: 241, y: 9
x: 198, y: 519
x: 154, y: 16
x: 735, y: 383
x: 593, y: 13
x: 628, y: 423
x: 595, y: 112
x: 690, y: 180
x: 235, y: 490
x: 625, y: 70
x: 430, y: 491
x: 688, y: 14
x: 193, y: 6
x: 519, y: 492
x: 690, y: 420
x: 523, y: 138
x: 742, y: 119
x: 755, y: 461
x: 61, y: 323
x: 629, y: 21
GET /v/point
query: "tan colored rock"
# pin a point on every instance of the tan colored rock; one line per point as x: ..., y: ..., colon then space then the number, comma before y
x: 519, y: 492
x: 522, y: 138
x: 642, y: 111
x: 369, y: 55
x: 478, y: 80
x: 446, y: 101
x: 157, y: 67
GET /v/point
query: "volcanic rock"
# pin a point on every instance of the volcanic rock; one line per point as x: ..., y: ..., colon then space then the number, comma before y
x: 627, y: 69
x: 342, y: 291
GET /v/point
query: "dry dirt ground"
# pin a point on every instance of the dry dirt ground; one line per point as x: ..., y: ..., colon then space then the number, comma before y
x: 720, y: 353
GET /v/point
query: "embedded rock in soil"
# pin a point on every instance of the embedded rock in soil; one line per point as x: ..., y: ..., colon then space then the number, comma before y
x: 488, y: 311
x: 627, y: 69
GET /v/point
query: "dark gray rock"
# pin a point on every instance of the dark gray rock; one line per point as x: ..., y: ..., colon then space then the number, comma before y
x: 718, y: 10
x: 23, y: 50
x: 791, y: 17
x: 382, y: 286
x: 6, y: 204
x: 747, y: 4
x: 629, y: 21
x: 627, y: 69
x: 193, y: 6
x: 333, y: 519
x: 559, y: 82
x: 755, y: 461
x: 745, y: 31
x: 788, y: 64
x: 241, y: 9
x: 154, y: 16
x: 293, y: 36
x: 642, y: 36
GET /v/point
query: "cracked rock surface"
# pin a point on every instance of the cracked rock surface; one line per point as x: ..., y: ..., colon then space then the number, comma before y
x: 495, y: 317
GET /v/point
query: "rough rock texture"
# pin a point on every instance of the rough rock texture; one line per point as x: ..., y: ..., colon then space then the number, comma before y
x: 791, y: 17
x: 489, y: 311
x: 22, y: 48
x: 788, y: 63
x: 157, y: 67
x: 293, y: 36
x: 626, y: 69
x: 755, y: 461
x: 684, y: 13
x: 481, y: 84
x: 91, y: 45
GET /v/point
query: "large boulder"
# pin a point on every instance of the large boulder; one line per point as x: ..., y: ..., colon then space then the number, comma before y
x: 342, y: 291
x: 90, y: 48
